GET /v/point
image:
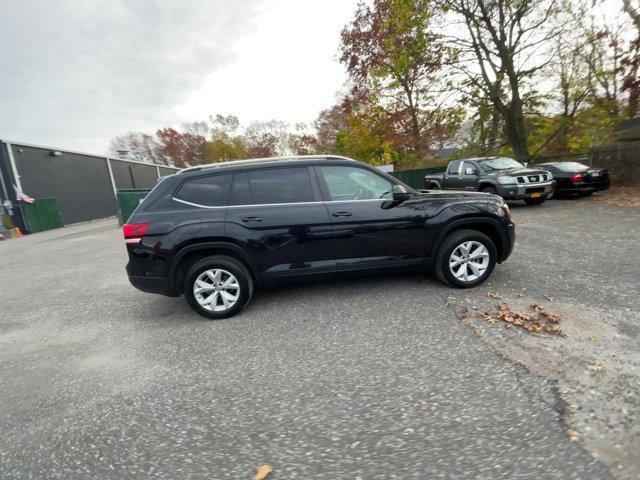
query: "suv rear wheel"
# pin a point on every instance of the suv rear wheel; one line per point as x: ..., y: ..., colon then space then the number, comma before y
x: 465, y: 259
x: 218, y: 287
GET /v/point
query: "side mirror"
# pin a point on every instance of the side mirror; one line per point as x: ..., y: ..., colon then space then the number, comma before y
x: 470, y: 171
x: 400, y: 193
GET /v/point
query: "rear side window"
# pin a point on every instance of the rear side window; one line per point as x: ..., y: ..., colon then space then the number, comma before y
x: 454, y: 166
x: 280, y: 185
x: 209, y: 191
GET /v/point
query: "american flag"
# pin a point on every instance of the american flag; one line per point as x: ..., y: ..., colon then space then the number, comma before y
x: 20, y: 195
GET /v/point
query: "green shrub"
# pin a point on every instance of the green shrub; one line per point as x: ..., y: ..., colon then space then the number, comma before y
x: 6, y: 222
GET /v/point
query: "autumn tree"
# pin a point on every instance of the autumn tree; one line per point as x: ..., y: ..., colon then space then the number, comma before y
x: 140, y: 147
x: 225, y: 143
x: 184, y: 149
x: 391, y: 51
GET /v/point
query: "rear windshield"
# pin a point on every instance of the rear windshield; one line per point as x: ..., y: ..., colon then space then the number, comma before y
x: 500, y: 163
x: 571, y: 167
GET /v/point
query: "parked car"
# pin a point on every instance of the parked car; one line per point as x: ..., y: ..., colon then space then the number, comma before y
x: 497, y: 175
x: 576, y: 178
x: 218, y: 232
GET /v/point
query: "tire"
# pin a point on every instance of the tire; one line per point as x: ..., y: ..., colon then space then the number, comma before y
x: 227, y: 267
x: 433, y: 186
x: 491, y: 190
x: 535, y: 201
x: 451, y: 244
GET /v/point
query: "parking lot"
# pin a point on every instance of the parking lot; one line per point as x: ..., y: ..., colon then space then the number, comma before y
x: 369, y: 378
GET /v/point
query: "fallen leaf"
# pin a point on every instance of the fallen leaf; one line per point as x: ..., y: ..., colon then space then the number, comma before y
x: 466, y: 317
x: 593, y: 338
x: 540, y: 321
x: 494, y: 295
x: 573, y: 435
x: 262, y: 471
x: 423, y: 403
x: 548, y: 298
x: 594, y: 368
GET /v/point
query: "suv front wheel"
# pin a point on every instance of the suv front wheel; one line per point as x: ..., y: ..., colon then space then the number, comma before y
x: 218, y: 287
x: 465, y: 259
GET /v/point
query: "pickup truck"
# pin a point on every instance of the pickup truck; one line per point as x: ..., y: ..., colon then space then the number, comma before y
x: 497, y: 175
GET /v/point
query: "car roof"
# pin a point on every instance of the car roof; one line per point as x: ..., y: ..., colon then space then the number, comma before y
x: 266, y: 162
x: 477, y: 159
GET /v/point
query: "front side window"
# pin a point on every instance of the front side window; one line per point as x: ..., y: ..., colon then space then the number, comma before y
x: 280, y: 185
x: 352, y: 183
x: 210, y: 191
x: 453, y: 167
x: 469, y: 166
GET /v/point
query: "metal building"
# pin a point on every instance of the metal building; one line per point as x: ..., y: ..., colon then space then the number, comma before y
x: 84, y: 185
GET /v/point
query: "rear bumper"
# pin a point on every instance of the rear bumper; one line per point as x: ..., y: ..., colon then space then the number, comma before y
x: 157, y: 285
x: 149, y: 273
x: 585, y: 187
x: 520, y: 192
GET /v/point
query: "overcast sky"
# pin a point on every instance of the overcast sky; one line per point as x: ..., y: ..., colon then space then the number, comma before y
x: 73, y: 74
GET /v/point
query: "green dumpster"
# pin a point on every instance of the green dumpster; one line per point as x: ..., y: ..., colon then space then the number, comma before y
x: 128, y: 201
x: 42, y: 215
x: 415, y: 177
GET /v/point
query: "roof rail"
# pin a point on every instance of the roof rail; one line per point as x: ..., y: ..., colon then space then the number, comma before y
x: 259, y: 160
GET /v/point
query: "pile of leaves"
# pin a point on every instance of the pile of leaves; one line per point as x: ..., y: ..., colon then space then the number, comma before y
x: 538, y: 322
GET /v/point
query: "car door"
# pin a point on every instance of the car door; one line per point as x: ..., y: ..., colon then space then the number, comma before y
x: 453, y: 176
x: 468, y: 177
x: 370, y: 228
x: 279, y: 217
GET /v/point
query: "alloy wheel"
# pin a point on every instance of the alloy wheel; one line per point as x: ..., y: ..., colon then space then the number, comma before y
x: 469, y: 261
x: 216, y: 290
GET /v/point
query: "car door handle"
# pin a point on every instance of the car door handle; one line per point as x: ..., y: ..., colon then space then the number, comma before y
x: 251, y: 219
x: 342, y: 214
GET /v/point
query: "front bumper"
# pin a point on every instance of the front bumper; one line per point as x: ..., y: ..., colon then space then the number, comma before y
x: 508, y: 243
x: 520, y: 192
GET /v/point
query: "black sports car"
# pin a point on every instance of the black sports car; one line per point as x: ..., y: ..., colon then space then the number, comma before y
x: 576, y: 178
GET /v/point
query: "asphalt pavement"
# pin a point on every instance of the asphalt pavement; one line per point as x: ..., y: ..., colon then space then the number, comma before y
x: 359, y: 379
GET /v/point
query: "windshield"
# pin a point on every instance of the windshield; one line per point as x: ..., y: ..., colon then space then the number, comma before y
x: 571, y: 167
x: 500, y: 163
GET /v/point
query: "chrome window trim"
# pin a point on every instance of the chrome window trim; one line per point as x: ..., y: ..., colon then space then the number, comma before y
x: 279, y: 204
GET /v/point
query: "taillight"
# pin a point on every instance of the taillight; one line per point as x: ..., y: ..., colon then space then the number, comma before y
x: 134, y: 232
x: 577, y: 178
x: 608, y: 175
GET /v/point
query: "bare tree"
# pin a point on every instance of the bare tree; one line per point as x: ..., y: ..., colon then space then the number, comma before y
x: 503, y: 48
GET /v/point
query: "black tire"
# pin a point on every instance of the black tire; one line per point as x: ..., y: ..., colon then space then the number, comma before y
x: 450, y: 243
x: 229, y: 264
x: 433, y: 186
x: 490, y: 189
x: 535, y: 201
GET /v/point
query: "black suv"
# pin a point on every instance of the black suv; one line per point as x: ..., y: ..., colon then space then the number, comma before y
x: 218, y: 232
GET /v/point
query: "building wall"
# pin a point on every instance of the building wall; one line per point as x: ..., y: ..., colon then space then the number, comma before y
x: 134, y: 175
x: 80, y: 182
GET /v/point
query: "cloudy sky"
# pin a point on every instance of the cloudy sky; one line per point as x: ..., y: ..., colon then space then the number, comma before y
x: 73, y: 74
